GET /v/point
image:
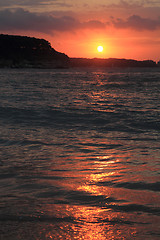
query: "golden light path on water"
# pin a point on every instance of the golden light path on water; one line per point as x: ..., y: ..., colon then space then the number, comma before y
x: 93, y: 202
x: 92, y: 221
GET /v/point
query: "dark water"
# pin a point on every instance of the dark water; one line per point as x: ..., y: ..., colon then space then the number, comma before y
x: 79, y: 154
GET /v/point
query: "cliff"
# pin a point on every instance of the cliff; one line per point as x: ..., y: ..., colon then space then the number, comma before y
x: 22, y: 51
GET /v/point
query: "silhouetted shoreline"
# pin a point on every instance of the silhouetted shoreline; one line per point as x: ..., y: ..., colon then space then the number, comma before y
x: 27, y: 52
x: 113, y: 63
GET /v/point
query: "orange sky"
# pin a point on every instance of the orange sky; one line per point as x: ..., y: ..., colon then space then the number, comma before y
x: 126, y: 29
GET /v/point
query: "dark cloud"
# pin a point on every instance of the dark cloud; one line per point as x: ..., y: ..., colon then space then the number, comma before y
x: 122, y: 4
x: 137, y: 23
x: 132, y: 4
x: 20, y: 19
x: 93, y: 24
x: 30, y: 3
x: 9, y: 3
x: 23, y: 20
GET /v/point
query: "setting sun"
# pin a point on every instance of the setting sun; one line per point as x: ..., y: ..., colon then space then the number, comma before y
x: 100, y: 49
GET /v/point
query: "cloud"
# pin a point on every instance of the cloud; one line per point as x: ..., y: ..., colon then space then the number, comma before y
x: 137, y: 23
x: 94, y: 24
x: 20, y: 19
x: 122, y: 4
x: 132, y: 4
x: 23, y: 20
x: 30, y: 3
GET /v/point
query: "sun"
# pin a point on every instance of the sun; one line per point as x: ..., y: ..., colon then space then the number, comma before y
x: 100, y: 48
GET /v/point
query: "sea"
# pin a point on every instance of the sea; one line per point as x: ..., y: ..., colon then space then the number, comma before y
x: 80, y: 154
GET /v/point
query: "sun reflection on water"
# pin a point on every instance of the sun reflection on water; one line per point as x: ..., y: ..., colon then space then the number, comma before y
x: 89, y: 205
x: 90, y: 223
x: 89, y: 209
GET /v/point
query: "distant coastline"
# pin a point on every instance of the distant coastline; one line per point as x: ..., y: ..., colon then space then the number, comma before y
x: 27, y: 52
x: 113, y: 63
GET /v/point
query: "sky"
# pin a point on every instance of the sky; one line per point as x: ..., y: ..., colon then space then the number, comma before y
x: 125, y: 28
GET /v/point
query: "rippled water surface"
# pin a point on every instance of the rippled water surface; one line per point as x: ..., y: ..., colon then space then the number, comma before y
x: 79, y: 154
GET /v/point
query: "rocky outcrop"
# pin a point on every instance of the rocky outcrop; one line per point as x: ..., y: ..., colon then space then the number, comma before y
x: 21, y: 51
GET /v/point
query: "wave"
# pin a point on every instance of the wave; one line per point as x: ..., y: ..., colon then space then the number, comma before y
x: 106, y: 121
x: 133, y: 185
x: 53, y: 219
x: 9, y: 142
x: 86, y: 199
x: 23, y: 218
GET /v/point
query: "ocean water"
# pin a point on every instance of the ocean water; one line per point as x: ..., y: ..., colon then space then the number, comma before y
x: 79, y: 154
